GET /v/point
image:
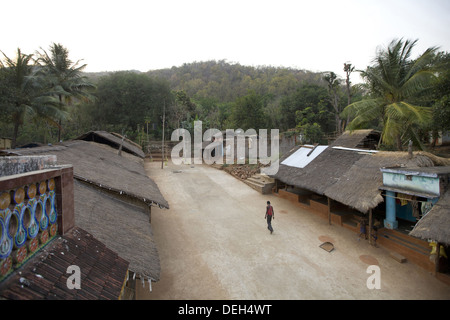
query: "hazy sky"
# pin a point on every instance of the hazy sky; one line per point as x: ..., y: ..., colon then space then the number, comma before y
x: 316, y: 35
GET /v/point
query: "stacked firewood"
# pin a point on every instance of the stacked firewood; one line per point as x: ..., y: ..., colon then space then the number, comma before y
x: 243, y: 171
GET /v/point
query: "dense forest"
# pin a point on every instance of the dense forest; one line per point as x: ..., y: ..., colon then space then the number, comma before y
x: 45, y: 97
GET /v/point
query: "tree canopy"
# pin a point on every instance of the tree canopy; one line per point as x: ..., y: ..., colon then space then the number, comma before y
x: 125, y: 99
x: 396, y: 84
x: 48, y: 97
x: 26, y: 94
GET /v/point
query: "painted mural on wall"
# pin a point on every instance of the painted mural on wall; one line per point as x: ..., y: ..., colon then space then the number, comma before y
x: 28, y: 220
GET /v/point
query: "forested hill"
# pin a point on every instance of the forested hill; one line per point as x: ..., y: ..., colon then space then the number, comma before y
x: 224, y: 94
x: 224, y: 82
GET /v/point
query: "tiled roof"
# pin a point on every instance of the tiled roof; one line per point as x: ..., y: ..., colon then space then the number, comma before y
x: 44, y: 276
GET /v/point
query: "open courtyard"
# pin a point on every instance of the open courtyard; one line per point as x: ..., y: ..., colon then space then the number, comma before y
x: 213, y: 243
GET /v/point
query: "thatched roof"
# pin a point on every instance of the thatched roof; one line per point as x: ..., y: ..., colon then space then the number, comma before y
x: 435, y: 224
x: 359, y: 186
x: 114, y: 140
x: 100, y: 164
x: 350, y: 176
x: 366, y: 139
x: 322, y: 172
x: 100, y: 174
x: 122, y: 227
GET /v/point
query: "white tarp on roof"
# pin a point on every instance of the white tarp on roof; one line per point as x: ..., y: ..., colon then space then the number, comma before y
x: 303, y: 156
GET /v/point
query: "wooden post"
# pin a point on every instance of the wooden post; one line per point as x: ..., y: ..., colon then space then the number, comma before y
x: 120, y: 147
x: 329, y: 211
x: 162, y: 145
x: 131, y: 285
x: 148, y: 142
x: 370, y: 227
x: 436, y: 261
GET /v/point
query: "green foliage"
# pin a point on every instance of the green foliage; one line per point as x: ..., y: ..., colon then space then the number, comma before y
x: 395, y: 82
x: 181, y: 111
x: 216, y: 86
x: 400, y: 96
x: 308, y: 104
x: 225, y: 82
x: 247, y: 112
x: 312, y: 133
x: 64, y: 78
x: 27, y: 94
x: 441, y: 114
x: 125, y: 99
x: 441, y: 94
x: 334, y: 94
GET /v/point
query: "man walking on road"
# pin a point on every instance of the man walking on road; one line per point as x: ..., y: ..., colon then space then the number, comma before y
x: 270, y: 214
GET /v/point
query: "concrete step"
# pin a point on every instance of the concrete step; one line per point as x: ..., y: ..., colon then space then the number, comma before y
x: 260, y: 178
x: 255, y: 181
x: 260, y: 183
x: 257, y: 187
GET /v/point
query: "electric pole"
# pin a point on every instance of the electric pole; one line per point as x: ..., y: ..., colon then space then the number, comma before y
x: 162, y: 145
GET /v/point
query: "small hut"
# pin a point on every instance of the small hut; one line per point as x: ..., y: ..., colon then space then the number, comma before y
x: 114, y: 140
x: 122, y: 227
x: 113, y: 200
x: 359, y: 139
x: 435, y: 226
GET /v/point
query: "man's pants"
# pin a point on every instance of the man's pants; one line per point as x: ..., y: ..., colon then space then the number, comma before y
x: 269, y: 223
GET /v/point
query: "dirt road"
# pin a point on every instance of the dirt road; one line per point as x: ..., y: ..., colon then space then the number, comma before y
x: 213, y: 243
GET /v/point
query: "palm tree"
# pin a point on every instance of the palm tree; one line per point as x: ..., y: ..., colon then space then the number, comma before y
x: 334, y: 86
x: 28, y: 94
x: 66, y: 78
x: 394, y: 81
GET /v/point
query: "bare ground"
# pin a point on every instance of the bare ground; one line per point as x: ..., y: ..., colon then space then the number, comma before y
x: 213, y: 243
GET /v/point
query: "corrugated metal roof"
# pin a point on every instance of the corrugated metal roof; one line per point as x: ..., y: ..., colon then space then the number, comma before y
x: 303, y: 156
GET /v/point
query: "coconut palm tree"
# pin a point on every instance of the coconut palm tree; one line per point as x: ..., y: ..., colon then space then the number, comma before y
x: 27, y: 93
x: 334, y: 86
x: 66, y: 78
x: 394, y: 81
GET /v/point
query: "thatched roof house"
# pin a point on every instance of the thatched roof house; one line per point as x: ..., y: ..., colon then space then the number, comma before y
x: 358, y: 187
x: 360, y: 139
x: 348, y: 175
x: 122, y: 227
x: 100, y: 165
x: 435, y: 224
x: 325, y: 170
x: 114, y: 140
x: 113, y: 195
x: 327, y: 167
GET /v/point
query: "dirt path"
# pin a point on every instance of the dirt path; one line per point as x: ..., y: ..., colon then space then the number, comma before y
x: 213, y: 243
